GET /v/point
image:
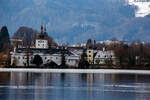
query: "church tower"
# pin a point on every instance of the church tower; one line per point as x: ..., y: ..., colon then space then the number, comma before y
x: 41, y: 41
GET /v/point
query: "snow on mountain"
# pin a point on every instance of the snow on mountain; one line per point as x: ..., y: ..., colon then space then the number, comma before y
x: 143, y: 7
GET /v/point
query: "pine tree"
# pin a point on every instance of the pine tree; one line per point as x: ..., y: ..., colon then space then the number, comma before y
x: 83, y: 63
x: 63, y: 59
x: 37, y: 60
x: 4, y: 39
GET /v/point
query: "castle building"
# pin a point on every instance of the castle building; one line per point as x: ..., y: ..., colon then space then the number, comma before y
x: 21, y: 57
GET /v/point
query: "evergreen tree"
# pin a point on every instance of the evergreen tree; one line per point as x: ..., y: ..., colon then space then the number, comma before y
x: 37, y: 60
x: 83, y: 63
x: 63, y: 59
x: 52, y: 64
x: 4, y: 39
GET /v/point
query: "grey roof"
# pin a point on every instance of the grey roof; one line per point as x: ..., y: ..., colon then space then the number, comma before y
x: 45, y: 51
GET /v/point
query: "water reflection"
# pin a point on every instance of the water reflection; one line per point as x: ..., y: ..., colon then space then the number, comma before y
x: 48, y: 86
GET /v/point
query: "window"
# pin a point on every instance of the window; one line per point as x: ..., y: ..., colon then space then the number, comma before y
x: 89, y: 55
x: 89, y: 51
x: 45, y: 57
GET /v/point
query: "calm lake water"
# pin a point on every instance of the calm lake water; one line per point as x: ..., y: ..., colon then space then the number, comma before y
x: 50, y: 86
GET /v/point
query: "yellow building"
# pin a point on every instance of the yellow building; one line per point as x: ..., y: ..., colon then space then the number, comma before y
x: 90, y: 54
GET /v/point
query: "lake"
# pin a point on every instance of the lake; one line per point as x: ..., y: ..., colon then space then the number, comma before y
x: 67, y: 86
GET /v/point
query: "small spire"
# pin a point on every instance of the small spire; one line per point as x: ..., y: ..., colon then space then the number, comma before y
x: 45, y: 28
x: 41, y: 29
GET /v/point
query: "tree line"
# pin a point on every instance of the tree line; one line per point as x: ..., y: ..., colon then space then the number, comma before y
x: 133, y: 54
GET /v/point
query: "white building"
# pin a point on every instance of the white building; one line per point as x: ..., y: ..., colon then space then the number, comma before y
x: 20, y: 57
x: 42, y: 42
x: 103, y: 57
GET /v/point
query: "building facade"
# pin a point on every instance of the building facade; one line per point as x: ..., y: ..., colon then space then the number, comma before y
x: 21, y: 58
x: 24, y: 57
x: 105, y: 57
x: 90, y: 56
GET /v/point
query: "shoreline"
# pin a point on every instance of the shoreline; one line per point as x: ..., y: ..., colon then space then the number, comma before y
x: 76, y: 71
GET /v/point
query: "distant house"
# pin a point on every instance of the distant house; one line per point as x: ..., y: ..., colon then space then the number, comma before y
x: 110, y: 42
x: 24, y: 56
x: 105, y: 57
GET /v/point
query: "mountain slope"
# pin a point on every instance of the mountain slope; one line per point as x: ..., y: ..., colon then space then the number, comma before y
x: 73, y: 20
